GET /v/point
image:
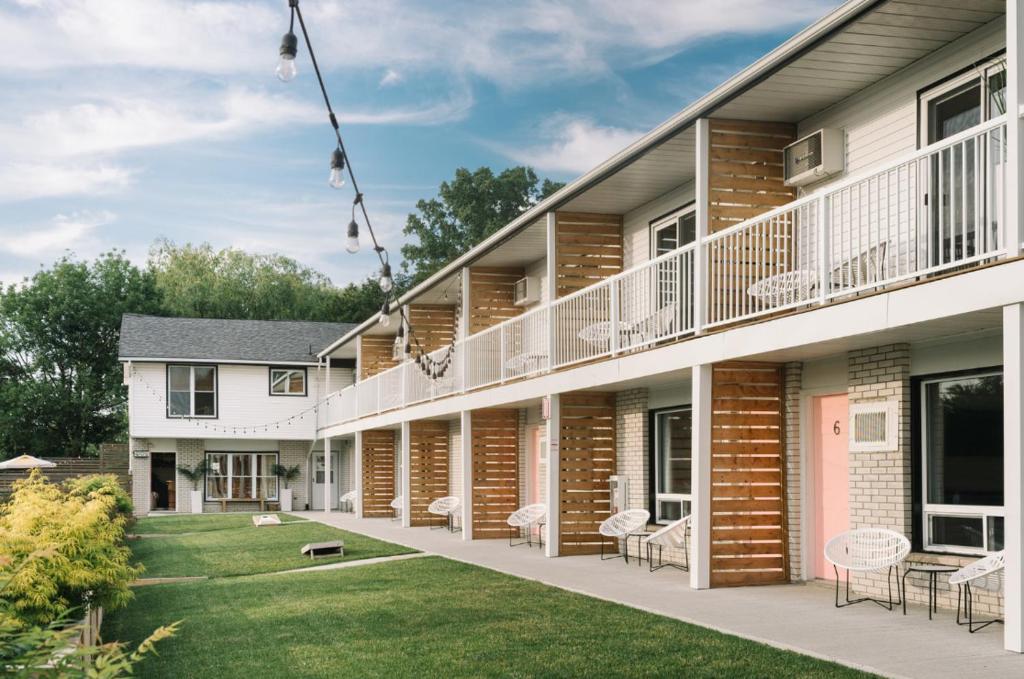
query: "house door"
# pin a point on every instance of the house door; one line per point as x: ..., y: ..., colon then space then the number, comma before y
x: 161, y: 484
x: 831, y: 478
x: 536, y: 462
x: 317, y: 490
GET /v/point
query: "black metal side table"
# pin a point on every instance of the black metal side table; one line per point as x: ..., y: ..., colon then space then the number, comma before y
x: 932, y: 571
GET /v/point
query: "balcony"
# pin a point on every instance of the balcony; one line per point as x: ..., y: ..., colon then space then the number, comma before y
x: 936, y: 211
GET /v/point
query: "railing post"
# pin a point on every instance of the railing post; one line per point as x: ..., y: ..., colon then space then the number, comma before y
x: 824, y: 248
x: 613, y: 329
x: 501, y: 352
x: 703, y: 168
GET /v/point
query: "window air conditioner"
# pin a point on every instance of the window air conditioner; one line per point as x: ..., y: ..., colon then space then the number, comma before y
x: 814, y: 157
x: 527, y: 291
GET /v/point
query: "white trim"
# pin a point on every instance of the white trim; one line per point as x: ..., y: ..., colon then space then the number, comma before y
x: 225, y: 361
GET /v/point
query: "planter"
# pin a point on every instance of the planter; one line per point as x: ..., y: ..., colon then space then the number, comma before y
x: 196, y: 501
x: 286, y: 499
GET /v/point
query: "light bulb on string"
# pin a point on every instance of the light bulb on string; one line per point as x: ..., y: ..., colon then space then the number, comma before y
x: 337, y: 176
x: 286, y: 70
x: 352, y: 242
x: 386, y: 282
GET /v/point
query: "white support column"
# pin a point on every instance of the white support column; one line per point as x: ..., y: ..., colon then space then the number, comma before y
x: 466, y: 443
x: 700, y: 532
x: 405, y: 457
x: 551, y: 476
x: 1013, y: 475
x: 1014, y: 197
x: 463, y: 330
x: 359, y: 359
x: 357, y: 472
x: 551, y: 286
x: 327, y: 474
x: 703, y: 192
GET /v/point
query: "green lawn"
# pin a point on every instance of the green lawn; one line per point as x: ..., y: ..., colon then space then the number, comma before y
x: 427, y: 617
x: 193, y: 523
x: 225, y: 545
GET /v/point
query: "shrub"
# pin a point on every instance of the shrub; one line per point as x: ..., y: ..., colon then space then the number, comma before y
x: 105, y: 485
x: 89, y: 565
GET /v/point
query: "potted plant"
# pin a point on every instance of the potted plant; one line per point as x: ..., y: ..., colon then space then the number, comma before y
x: 286, y: 474
x: 196, y: 475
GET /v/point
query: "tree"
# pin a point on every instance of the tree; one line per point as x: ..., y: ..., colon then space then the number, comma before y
x: 60, y: 381
x: 198, y: 281
x: 470, y: 207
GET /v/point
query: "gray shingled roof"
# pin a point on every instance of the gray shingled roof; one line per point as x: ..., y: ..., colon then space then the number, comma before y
x: 225, y: 340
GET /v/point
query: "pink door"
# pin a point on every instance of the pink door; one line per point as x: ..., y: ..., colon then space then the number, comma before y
x: 831, y: 479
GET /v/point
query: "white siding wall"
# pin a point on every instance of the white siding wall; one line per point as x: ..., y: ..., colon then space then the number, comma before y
x: 880, y: 122
x: 243, y: 400
x: 636, y: 223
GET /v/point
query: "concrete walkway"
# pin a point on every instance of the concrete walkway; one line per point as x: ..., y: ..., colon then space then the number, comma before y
x: 795, y: 617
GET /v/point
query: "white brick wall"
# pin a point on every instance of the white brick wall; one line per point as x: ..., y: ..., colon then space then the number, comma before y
x: 793, y: 380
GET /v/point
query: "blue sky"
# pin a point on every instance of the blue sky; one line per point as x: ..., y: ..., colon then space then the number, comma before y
x: 125, y: 121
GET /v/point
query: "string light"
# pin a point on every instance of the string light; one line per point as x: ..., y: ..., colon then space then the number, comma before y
x: 340, y: 164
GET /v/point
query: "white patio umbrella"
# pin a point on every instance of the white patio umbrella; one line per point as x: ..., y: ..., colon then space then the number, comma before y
x: 25, y: 462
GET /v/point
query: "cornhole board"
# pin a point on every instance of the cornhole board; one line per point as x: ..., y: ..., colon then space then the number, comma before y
x: 266, y: 520
x: 318, y: 549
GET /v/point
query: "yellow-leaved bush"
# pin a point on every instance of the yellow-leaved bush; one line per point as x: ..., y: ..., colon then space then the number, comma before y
x: 82, y: 530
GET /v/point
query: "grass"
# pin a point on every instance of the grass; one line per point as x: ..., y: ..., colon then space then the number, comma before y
x: 221, y: 545
x: 195, y: 523
x: 427, y: 617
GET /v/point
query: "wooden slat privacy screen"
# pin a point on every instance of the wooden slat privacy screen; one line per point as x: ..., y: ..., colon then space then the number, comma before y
x: 492, y: 296
x: 588, y: 250
x: 586, y: 458
x: 434, y: 324
x: 428, y: 468
x: 746, y: 170
x: 748, y: 516
x: 378, y: 472
x: 495, y: 471
x: 376, y: 354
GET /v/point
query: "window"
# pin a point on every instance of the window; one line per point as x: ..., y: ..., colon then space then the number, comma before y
x: 191, y: 391
x: 956, y: 105
x: 287, y: 381
x: 241, y: 476
x: 672, y: 462
x: 673, y: 231
x: 962, y: 462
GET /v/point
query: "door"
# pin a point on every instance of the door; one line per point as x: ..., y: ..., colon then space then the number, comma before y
x: 161, y: 484
x: 831, y: 477
x: 317, y: 499
x: 536, y: 461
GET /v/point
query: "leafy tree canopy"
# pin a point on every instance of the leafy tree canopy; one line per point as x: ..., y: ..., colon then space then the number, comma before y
x: 467, y: 210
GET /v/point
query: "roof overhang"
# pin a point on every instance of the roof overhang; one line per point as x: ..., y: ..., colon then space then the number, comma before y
x: 222, y: 361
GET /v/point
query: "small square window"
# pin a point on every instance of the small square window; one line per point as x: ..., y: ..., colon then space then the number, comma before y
x: 288, y: 381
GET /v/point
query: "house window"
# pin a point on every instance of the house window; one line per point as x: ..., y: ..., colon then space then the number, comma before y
x: 287, y: 381
x: 962, y: 462
x: 672, y: 463
x: 191, y: 391
x: 673, y: 230
x: 241, y: 476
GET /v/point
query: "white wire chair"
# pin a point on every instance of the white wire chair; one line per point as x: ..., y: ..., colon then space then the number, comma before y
x: 524, y: 519
x: 396, y: 507
x: 868, y: 550
x: 986, y: 573
x: 672, y: 536
x: 444, y: 508
x: 622, y: 526
x: 347, y: 502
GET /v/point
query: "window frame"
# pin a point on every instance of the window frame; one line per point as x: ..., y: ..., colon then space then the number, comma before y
x: 230, y: 476
x: 980, y: 71
x: 657, y: 498
x: 288, y: 369
x: 666, y: 220
x: 925, y: 509
x: 192, y: 391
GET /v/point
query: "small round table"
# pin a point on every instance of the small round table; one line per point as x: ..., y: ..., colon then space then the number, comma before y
x: 932, y: 570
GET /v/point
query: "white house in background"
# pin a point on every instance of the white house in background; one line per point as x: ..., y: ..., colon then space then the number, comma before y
x: 794, y: 308
x: 240, y: 394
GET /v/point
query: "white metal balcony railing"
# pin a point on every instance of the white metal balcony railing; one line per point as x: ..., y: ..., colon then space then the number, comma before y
x: 933, y: 211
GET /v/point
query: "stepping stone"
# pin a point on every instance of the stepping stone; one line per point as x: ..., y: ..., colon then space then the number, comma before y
x: 318, y: 549
x: 266, y: 520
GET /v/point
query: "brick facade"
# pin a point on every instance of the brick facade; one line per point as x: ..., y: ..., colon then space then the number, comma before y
x: 793, y: 382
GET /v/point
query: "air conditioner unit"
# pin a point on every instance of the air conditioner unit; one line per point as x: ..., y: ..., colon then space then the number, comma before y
x: 527, y: 291
x: 814, y: 157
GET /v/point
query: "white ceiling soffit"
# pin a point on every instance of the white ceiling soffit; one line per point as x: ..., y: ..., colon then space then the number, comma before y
x: 882, y: 42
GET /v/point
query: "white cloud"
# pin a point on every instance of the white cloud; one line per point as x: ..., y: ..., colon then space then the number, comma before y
x: 34, y: 179
x: 64, y: 232
x: 574, y: 145
x: 390, y: 77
